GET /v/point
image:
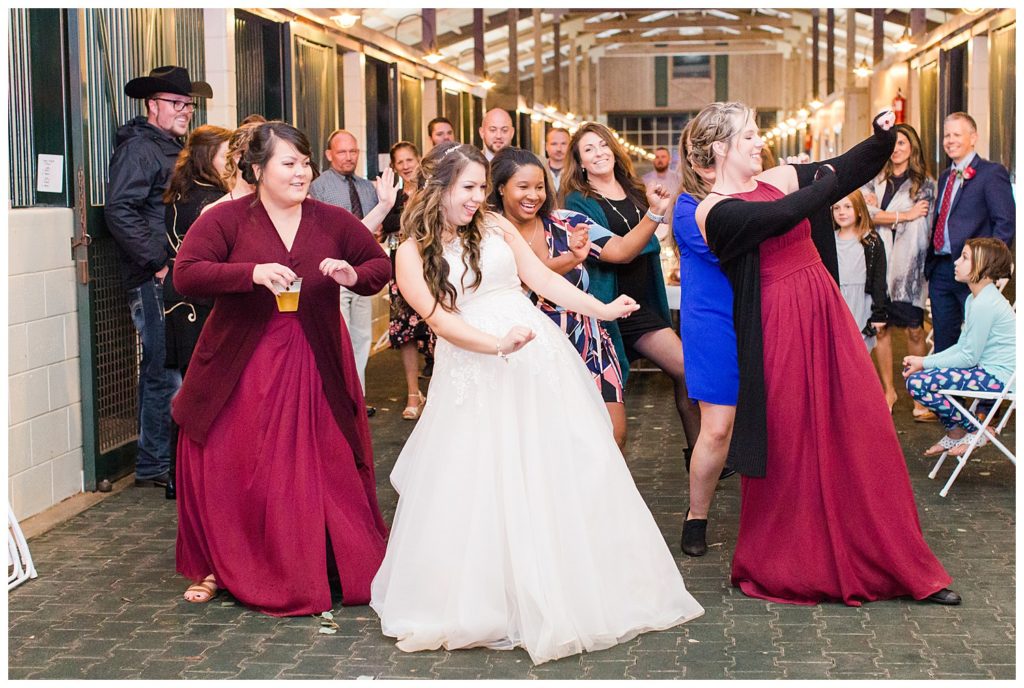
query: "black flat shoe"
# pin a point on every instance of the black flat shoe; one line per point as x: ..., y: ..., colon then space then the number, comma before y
x: 944, y: 596
x: 371, y: 411
x: 169, y: 491
x: 695, y: 537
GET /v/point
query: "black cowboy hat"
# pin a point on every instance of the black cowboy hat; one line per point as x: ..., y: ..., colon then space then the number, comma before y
x: 169, y: 79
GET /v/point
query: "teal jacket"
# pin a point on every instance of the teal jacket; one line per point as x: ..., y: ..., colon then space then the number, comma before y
x: 604, y: 276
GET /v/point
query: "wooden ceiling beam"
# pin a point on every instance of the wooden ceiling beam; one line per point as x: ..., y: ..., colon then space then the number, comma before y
x: 903, y: 19
x: 702, y: 38
x: 747, y: 48
x: 685, y: 22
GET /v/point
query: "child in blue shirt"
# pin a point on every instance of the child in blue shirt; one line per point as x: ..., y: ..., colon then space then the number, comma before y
x: 983, y: 359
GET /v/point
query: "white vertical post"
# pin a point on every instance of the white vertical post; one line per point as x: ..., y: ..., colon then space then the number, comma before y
x: 219, y: 43
x: 354, y: 72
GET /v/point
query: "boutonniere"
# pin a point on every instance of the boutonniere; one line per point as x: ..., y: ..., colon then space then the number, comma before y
x: 967, y: 173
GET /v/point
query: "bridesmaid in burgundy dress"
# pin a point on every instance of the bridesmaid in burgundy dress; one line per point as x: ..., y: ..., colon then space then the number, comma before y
x: 828, y: 512
x: 275, y: 468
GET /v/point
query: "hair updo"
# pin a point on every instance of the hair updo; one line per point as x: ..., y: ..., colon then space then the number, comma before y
x: 263, y: 143
x: 716, y: 122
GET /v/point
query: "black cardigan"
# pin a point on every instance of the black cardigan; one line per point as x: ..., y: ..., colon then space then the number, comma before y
x: 735, y: 230
x: 874, y: 285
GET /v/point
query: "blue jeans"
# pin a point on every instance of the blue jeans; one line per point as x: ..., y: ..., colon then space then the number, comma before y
x: 948, y: 298
x: 157, y: 384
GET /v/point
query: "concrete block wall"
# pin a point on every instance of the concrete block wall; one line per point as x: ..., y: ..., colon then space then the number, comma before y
x: 45, y: 400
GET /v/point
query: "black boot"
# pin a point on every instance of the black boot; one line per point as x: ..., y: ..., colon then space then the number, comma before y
x: 172, y: 466
x: 694, y: 541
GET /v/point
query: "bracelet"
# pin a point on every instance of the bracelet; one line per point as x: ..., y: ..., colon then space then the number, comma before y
x: 501, y: 354
x: 658, y: 219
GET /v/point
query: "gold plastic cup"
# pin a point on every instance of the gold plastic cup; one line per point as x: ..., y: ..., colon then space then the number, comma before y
x: 288, y: 299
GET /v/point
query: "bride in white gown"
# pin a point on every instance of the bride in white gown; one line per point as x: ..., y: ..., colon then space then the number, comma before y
x: 518, y: 523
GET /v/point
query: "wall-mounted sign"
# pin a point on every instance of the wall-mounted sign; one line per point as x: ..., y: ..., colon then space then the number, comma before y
x: 50, y: 176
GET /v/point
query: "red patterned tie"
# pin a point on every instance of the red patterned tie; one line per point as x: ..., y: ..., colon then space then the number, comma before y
x: 939, y: 238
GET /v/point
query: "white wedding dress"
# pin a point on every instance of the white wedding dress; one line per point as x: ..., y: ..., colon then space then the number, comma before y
x: 518, y: 523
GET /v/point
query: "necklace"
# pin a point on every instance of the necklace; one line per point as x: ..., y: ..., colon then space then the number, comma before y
x: 624, y: 220
x: 536, y: 229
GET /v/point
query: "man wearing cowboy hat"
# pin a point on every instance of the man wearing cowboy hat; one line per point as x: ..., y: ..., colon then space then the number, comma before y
x: 140, y: 169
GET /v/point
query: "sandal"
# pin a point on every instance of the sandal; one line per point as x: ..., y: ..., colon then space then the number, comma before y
x: 204, y: 591
x: 413, y: 412
x: 946, y: 444
x: 924, y: 416
x: 961, y: 449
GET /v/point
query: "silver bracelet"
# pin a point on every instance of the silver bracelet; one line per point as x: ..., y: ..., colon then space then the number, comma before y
x: 501, y: 354
x: 657, y: 219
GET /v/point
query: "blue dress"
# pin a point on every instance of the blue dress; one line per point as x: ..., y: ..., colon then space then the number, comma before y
x: 705, y: 314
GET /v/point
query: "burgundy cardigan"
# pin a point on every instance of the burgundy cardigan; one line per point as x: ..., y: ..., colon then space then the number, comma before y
x: 216, y: 260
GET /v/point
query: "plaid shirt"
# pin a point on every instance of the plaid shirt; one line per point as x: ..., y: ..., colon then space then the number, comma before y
x: 331, y: 187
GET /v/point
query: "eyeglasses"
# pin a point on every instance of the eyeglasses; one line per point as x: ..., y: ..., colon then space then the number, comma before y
x: 179, y: 105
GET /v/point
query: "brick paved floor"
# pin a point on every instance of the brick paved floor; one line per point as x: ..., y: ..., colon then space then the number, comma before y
x: 108, y: 604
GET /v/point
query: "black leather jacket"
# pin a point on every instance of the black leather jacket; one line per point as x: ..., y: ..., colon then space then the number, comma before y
x: 139, y: 172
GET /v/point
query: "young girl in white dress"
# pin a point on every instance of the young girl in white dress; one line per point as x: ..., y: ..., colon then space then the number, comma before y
x: 518, y: 522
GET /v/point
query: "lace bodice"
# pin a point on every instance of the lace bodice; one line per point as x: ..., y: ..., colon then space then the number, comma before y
x: 496, y: 305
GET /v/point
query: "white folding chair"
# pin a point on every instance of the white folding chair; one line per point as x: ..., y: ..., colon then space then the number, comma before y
x: 983, y: 427
x: 19, y: 561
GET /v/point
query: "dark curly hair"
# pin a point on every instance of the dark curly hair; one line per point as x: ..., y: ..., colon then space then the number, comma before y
x: 424, y: 221
x: 504, y: 166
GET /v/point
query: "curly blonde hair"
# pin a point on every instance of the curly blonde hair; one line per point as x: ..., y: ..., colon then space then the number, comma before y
x: 716, y: 122
x: 690, y: 182
x: 424, y: 221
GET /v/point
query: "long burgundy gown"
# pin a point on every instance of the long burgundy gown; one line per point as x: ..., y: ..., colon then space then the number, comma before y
x: 275, y: 465
x: 834, y: 518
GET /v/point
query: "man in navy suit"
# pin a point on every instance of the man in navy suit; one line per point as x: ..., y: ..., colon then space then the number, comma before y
x: 975, y: 200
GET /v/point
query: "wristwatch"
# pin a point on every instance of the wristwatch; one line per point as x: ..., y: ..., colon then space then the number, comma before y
x: 657, y: 219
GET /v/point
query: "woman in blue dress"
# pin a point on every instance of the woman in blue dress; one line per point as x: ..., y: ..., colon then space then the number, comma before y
x: 709, y: 348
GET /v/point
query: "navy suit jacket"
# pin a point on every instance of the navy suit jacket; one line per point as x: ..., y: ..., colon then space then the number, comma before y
x: 983, y: 207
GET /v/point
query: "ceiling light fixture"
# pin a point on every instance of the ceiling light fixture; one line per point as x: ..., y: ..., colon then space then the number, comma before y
x: 346, y: 19
x: 863, y: 69
x: 905, y: 43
